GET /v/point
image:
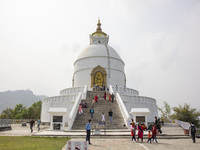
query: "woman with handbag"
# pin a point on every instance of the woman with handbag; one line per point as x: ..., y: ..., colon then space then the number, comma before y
x: 140, y: 132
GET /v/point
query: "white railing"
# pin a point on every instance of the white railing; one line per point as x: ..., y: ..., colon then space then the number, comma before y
x: 124, y: 90
x: 84, y: 95
x: 74, y: 110
x: 61, y: 98
x: 121, y: 105
x: 184, y: 125
x: 72, y: 90
x: 138, y: 99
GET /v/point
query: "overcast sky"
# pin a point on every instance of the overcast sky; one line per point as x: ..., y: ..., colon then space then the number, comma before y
x: 159, y: 41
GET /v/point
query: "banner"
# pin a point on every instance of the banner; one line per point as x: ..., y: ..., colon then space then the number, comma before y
x: 77, y: 145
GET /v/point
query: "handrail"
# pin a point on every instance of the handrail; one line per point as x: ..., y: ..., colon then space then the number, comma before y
x: 84, y: 95
x: 121, y: 105
x: 123, y: 109
x: 111, y: 90
x: 184, y: 125
x: 74, y: 110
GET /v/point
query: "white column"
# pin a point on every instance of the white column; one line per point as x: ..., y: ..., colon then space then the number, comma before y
x: 146, y: 120
x: 134, y: 117
x: 63, y: 123
x: 51, y: 121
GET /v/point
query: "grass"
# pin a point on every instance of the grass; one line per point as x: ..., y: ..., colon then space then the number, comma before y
x: 32, y: 143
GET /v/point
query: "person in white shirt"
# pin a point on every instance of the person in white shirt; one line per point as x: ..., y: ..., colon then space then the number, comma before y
x: 103, y: 118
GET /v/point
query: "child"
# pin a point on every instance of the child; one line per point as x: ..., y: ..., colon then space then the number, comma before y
x: 133, y: 128
x: 93, y: 101
x: 149, y: 137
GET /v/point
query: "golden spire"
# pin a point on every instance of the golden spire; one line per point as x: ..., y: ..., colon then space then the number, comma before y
x: 99, y: 32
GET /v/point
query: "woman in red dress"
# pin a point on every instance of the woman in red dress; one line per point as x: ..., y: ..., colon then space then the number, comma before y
x: 109, y: 97
x: 104, y: 96
x: 140, y: 132
x: 96, y: 98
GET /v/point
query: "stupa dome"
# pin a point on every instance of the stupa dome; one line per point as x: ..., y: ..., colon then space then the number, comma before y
x: 98, y: 59
x: 98, y: 50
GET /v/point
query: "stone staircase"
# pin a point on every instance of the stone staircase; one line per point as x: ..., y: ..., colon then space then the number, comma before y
x: 102, y: 106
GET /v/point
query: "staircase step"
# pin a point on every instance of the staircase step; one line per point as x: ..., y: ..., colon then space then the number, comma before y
x: 99, y: 107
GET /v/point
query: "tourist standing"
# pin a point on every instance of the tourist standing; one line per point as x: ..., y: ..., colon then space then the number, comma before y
x: 109, y: 98
x: 110, y: 113
x: 91, y: 112
x: 96, y: 98
x: 154, y: 132
x: 162, y: 121
x: 112, y: 97
x: 38, y: 124
x: 193, y: 131
x: 140, y: 132
x: 103, y: 119
x: 80, y: 109
x: 88, y: 128
x: 133, y: 128
x: 149, y: 137
x: 104, y: 96
x: 32, y: 122
x: 93, y: 101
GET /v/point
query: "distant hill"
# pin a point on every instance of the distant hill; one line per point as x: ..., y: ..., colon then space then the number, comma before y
x: 9, y: 99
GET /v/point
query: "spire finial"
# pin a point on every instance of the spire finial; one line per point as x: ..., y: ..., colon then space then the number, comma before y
x: 98, y: 30
x: 98, y: 25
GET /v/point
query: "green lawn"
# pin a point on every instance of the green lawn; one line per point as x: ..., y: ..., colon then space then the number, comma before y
x: 32, y: 143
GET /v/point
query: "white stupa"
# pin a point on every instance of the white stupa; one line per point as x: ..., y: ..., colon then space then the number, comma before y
x: 99, y: 58
x: 98, y: 65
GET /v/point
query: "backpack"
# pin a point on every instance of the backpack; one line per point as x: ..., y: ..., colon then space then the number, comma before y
x: 193, y: 129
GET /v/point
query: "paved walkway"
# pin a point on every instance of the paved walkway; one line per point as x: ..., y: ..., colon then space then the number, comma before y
x: 116, y: 144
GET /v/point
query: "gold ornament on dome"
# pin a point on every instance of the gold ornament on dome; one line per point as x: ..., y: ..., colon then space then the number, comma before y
x: 98, y: 77
x: 99, y: 31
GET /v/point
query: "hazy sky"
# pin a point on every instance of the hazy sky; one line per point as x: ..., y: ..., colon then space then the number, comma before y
x: 159, y: 41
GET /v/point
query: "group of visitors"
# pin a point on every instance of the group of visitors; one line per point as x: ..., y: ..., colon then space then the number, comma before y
x: 141, y: 127
x: 110, y: 97
x: 82, y: 105
x: 101, y: 88
x: 32, y: 123
x: 103, y: 119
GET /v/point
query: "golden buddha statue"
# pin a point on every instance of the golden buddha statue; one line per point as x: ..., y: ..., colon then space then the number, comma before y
x: 98, y: 79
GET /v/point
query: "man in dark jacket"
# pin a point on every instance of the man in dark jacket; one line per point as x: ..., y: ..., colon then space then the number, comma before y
x: 31, y: 125
x: 193, y: 131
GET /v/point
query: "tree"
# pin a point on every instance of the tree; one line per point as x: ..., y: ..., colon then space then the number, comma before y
x: 34, y: 111
x: 7, y: 113
x: 19, y: 112
x: 166, y: 111
x: 187, y: 114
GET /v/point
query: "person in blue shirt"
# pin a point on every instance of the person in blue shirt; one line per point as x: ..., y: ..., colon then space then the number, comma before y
x: 38, y: 124
x: 88, y: 128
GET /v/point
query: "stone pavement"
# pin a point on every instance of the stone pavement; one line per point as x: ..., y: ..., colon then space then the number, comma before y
x: 118, y: 143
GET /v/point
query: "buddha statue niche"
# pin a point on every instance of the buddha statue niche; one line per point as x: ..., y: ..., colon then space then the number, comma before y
x: 98, y: 79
